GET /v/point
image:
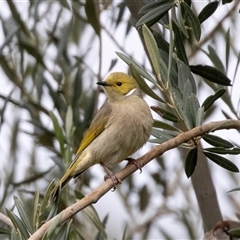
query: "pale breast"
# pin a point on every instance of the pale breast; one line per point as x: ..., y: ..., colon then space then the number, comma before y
x: 126, y: 131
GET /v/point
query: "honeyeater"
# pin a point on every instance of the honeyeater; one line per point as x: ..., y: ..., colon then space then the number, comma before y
x: 121, y: 126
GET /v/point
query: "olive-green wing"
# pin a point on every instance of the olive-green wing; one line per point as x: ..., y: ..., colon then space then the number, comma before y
x: 97, y: 126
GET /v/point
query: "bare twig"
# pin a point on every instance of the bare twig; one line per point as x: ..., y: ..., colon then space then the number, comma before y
x: 94, y: 196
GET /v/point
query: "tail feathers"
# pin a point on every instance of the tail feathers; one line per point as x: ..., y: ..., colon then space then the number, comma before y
x: 61, y: 184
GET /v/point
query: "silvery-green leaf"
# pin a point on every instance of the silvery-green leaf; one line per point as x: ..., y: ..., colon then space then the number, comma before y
x: 200, y: 116
x: 138, y: 67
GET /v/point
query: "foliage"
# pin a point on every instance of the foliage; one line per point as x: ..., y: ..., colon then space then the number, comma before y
x: 47, y: 63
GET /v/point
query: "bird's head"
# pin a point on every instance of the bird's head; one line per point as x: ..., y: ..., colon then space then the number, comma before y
x: 118, y: 85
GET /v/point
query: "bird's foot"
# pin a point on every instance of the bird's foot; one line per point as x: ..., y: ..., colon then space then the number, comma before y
x: 111, y: 175
x: 135, y: 162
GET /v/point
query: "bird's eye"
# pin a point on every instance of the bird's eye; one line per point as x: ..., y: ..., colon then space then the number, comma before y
x: 119, y: 83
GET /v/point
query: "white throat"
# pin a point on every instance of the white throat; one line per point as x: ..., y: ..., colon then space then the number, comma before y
x: 130, y: 92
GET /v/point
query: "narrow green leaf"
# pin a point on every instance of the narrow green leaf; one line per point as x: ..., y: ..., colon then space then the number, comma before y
x: 217, y: 141
x: 182, y: 19
x: 209, y: 101
x: 222, y: 150
x: 191, y: 162
x: 138, y: 67
x: 93, y: 215
x: 215, y: 59
x: 92, y: 15
x: 124, y: 236
x: 164, y: 113
x: 207, y: 11
x: 163, y: 125
x: 178, y: 41
x: 142, y: 84
x: 211, y: 73
x: 200, y: 116
x: 35, y: 210
x: 162, y: 136
x: 228, y: 44
x: 161, y: 42
x: 193, y: 20
x: 234, y: 189
x: 192, y: 106
x: 58, y: 132
x: 46, y: 197
x: 226, y: 1
x: 184, y: 75
x: 18, y: 224
x: 51, y: 230
x: 152, y: 48
x: 154, y: 15
x: 69, y: 122
x: 151, y: 5
x: 23, y: 215
x: 222, y: 162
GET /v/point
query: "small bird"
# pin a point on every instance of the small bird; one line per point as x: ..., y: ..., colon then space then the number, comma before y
x: 121, y: 126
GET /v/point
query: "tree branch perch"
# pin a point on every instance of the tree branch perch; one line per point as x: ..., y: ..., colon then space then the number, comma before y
x: 95, y: 195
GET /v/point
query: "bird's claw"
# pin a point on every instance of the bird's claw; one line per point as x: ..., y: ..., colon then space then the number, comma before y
x: 136, y: 163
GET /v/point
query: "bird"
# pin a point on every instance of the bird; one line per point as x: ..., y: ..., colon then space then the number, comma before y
x: 121, y: 127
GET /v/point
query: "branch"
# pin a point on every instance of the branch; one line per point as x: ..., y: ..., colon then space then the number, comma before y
x: 6, y: 220
x: 94, y: 196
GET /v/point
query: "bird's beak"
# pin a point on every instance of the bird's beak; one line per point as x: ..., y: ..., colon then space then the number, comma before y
x: 103, y: 83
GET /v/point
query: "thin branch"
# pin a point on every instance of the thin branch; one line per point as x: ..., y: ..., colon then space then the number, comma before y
x: 94, y: 196
x: 6, y: 220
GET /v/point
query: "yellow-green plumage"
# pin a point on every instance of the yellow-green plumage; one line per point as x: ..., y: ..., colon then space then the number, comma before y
x: 121, y: 126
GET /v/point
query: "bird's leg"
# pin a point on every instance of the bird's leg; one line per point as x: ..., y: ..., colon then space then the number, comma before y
x: 135, y: 162
x: 111, y: 175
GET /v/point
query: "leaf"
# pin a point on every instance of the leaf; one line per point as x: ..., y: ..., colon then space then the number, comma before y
x: 178, y: 41
x: 142, y: 84
x: 193, y: 20
x: 93, y: 215
x: 207, y: 11
x: 23, y: 215
x: 184, y: 75
x: 139, y: 68
x: 35, y: 210
x: 18, y: 224
x: 222, y: 150
x: 58, y: 131
x: 164, y: 113
x: 92, y: 15
x: 211, y: 73
x: 200, y: 116
x: 156, y: 13
x: 222, y: 162
x: 162, y: 136
x: 182, y: 19
x: 191, y: 162
x: 227, y: 51
x: 51, y: 230
x: 217, y: 141
x: 152, y: 48
x: 226, y: 1
x: 151, y: 6
x: 209, y: 101
x: 193, y: 106
x: 215, y: 59
x: 161, y: 42
x: 163, y: 125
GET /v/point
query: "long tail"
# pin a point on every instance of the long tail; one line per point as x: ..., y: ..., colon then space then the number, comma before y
x: 61, y: 184
x: 73, y: 171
